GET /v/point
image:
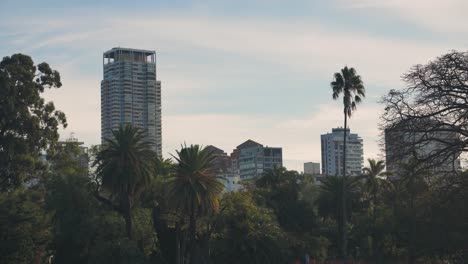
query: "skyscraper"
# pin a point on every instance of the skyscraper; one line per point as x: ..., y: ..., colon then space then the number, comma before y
x: 131, y: 94
x: 332, y: 153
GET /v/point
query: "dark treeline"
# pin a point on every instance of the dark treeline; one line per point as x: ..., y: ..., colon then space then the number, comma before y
x: 131, y: 206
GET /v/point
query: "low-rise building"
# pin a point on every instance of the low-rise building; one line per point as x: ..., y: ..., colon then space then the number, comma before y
x: 251, y: 159
x: 312, y: 168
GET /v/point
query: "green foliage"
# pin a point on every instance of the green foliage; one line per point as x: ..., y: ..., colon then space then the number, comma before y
x: 145, y: 234
x: 193, y: 192
x: 348, y: 83
x: 331, y: 192
x: 330, y: 203
x: 125, y: 166
x: 280, y: 190
x: 24, y: 227
x: 193, y: 187
x: 63, y: 160
x: 123, y: 213
x: 247, y: 233
x: 28, y: 125
x: 75, y: 215
x: 125, y: 162
x: 118, y: 252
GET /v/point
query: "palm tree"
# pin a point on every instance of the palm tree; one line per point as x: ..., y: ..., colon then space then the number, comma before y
x: 374, y: 177
x: 352, y: 87
x: 373, y: 182
x: 194, y: 191
x: 272, y: 177
x: 413, y: 182
x: 125, y: 166
x: 331, y: 202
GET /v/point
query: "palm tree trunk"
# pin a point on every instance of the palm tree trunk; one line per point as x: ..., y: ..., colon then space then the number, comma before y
x: 192, y: 239
x: 344, y: 242
x: 374, y: 220
x: 127, y: 215
x: 178, y: 251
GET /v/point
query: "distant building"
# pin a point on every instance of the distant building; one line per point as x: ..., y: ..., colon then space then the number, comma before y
x: 332, y: 153
x: 223, y: 166
x: 404, y: 141
x: 250, y: 159
x: 312, y: 168
x: 131, y: 94
x: 82, y: 156
x: 222, y: 162
x: 232, y: 182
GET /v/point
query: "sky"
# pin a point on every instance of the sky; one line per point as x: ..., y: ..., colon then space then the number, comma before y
x: 237, y: 70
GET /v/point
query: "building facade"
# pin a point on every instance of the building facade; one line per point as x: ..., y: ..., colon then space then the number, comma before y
x: 131, y: 94
x: 222, y: 165
x: 312, y: 168
x: 251, y: 159
x: 332, y: 153
x: 405, y: 141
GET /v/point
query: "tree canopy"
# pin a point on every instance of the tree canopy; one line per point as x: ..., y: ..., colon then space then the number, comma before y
x: 28, y: 124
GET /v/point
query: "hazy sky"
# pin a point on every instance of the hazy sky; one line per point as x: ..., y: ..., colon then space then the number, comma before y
x: 237, y: 70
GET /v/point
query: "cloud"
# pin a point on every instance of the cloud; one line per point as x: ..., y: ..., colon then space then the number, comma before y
x: 300, y: 138
x: 199, y: 56
x: 448, y: 16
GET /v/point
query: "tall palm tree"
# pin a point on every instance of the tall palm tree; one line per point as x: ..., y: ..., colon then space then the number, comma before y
x: 194, y: 190
x: 125, y: 166
x: 348, y: 83
x: 374, y: 181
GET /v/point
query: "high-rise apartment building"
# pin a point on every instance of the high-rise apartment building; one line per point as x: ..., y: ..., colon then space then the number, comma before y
x: 131, y: 94
x: 250, y: 159
x: 312, y: 168
x: 332, y: 153
x: 407, y: 140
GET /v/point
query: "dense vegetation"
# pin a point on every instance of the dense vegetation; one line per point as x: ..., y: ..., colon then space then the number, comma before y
x: 133, y: 207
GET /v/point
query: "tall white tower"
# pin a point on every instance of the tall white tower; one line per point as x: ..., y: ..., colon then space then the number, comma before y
x: 332, y: 153
x: 131, y: 94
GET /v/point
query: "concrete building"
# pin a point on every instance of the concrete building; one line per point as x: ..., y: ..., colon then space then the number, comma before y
x: 332, y: 153
x: 404, y: 141
x: 222, y: 165
x: 131, y: 94
x: 312, y: 168
x: 250, y: 159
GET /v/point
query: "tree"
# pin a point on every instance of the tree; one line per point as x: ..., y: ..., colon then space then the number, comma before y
x: 374, y: 182
x: 247, y: 233
x: 125, y: 166
x: 194, y: 191
x: 75, y: 211
x: 351, y: 86
x: 332, y: 190
x: 279, y: 190
x: 431, y: 109
x: 28, y: 125
x: 24, y: 227
x: 414, y: 183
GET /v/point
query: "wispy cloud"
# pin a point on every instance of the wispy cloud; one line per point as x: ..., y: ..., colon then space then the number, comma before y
x: 448, y: 16
x: 261, y: 65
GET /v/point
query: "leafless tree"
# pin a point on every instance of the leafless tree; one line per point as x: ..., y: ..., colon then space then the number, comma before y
x: 428, y: 119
